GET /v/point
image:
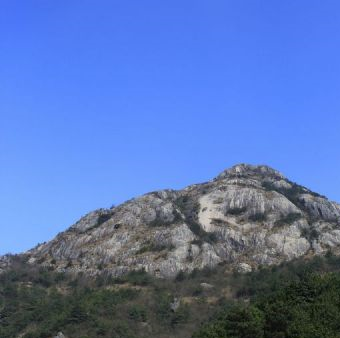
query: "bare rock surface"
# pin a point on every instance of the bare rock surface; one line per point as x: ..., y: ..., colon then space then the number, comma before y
x: 60, y: 335
x: 247, y: 216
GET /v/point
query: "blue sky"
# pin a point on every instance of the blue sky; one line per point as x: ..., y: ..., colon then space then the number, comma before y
x: 101, y: 101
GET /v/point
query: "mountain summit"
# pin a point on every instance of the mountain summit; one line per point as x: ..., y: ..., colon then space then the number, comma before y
x: 247, y: 216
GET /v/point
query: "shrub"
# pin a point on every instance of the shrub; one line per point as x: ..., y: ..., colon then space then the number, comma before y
x: 258, y: 217
x: 136, y: 277
x: 288, y: 219
x: 103, y: 218
x: 310, y: 233
x: 138, y: 313
x: 180, y: 276
x: 236, y: 211
x: 154, y: 247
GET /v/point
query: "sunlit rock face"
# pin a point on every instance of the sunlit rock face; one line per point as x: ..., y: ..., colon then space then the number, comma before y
x: 247, y: 216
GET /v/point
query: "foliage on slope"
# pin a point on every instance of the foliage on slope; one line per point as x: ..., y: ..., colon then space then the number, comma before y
x: 306, y: 307
x: 298, y: 299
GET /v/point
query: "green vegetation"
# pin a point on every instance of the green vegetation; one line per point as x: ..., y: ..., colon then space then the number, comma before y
x: 307, y: 308
x: 236, y: 211
x: 288, y: 219
x: 135, y: 278
x: 219, y: 222
x: 103, y: 218
x: 154, y: 247
x: 35, y: 302
x: 310, y: 233
x: 258, y: 217
x: 237, y: 322
x: 300, y: 299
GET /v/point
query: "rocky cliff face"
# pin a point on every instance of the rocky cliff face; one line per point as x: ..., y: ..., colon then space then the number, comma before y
x: 246, y: 216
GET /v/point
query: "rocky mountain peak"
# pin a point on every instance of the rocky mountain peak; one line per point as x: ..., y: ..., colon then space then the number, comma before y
x: 249, y: 170
x: 248, y: 216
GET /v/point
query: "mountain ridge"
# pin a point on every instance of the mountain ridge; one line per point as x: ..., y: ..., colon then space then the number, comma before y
x: 248, y: 215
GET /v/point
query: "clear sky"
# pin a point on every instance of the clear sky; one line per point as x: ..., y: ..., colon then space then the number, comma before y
x: 104, y: 100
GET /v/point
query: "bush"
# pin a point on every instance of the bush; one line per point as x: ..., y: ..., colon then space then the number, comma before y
x: 258, y: 217
x: 236, y: 211
x: 238, y: 322
x: 304, y: 308
x: 310, y: 234
x: 155, y: 247
x: 288, y: 219
x: 138, y: 313
x: 137, y: 277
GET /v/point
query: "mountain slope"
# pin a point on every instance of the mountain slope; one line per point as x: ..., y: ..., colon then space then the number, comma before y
x: 247, y: 216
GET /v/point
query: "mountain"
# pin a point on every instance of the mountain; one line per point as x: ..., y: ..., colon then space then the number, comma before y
x: 248, y: 216
x: 208, y: 236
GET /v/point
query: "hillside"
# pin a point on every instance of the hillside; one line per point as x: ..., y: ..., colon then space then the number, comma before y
x: 249, y: 254
x: 298, y: 299
x: 247, y: 216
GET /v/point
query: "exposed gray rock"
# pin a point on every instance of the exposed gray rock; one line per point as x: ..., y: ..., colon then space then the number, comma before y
x: 174, y: 306
x: 5, y: 262
x: 60, y: 335
x: 207, y: 286
x: 248, y: 215
x: 318, y: 207
x: 246, y: 170
x: 243, y: 268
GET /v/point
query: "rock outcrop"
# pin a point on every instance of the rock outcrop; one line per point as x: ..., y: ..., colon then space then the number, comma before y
x: 59, y: 335
x: 5, y: 262
x: 246, y: 216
